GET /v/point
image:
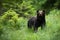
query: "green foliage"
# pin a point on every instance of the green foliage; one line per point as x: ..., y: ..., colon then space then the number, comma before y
x: 9, y: 18
x: 24, y: 8
x: 13, y: 27
x: 51, y: 31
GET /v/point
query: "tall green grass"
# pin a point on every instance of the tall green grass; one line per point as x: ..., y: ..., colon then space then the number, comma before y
x: 50, y: 32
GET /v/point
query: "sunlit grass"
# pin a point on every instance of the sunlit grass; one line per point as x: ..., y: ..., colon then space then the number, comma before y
x: 51, y: 31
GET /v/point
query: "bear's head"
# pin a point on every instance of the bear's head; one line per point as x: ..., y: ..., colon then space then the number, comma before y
x: 40, y: 12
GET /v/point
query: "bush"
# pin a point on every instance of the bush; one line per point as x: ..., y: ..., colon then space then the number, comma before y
x: 9, y: 18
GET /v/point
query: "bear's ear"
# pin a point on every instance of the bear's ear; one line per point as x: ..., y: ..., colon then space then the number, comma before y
x: 44, y: 11
x: 38, y: 10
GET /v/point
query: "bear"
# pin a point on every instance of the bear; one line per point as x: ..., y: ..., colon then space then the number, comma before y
x: 37, y: 21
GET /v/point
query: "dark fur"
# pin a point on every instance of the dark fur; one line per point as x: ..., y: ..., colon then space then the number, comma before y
x: 38, y: 21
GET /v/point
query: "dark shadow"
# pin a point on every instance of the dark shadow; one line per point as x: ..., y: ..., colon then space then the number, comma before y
x: 48, y: 5
x: 58, y: 6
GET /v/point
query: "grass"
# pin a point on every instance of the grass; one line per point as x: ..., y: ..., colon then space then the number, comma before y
x: 51, y: 31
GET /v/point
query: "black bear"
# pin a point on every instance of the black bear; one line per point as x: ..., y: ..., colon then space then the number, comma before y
x: 37, y: 21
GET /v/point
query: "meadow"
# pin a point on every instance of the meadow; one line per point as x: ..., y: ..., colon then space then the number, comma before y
x: 19, y: 30
x: 14, y: 15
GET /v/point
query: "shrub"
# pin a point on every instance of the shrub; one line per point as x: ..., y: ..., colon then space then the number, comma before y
x: 9, y: 18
